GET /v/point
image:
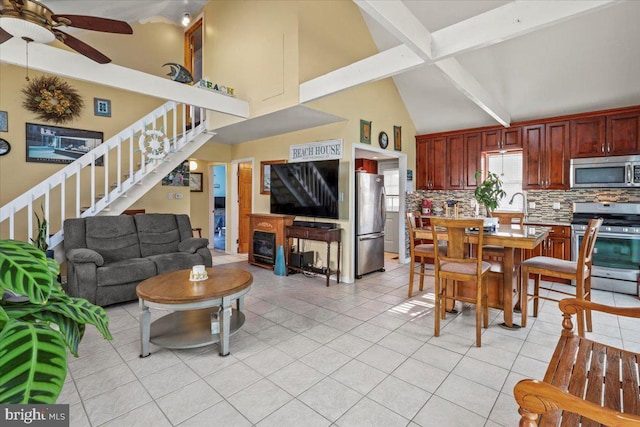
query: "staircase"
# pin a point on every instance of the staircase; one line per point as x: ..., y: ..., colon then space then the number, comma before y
x: 133, y: 162
x: 306, y: 186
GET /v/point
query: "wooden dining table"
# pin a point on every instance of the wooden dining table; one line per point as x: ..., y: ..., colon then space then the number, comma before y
x: 514, y: 238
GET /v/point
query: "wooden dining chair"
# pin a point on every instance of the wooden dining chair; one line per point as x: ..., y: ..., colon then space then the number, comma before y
x: 579, y: 271
x: 456, y: 266
x: 490, y: 251
x: 418, y: 249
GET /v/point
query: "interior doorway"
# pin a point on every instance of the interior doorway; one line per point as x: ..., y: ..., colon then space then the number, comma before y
x: 193, y: 52
x: 391, y: 172
x: 365, y: 151
x: 218, y: 224
x: 245, y: 205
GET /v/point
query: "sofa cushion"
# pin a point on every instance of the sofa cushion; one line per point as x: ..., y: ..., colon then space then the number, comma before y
x: 192, y: 244
x: 175, y: 261
x: 158, y: 233
x: 126, y: 271
x: 113, y: 237
x: 83, y: 255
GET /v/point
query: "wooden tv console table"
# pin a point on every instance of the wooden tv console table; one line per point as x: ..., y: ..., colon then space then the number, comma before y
x: 328, y: 235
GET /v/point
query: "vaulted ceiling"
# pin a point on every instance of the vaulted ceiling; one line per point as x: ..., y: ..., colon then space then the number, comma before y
x: 460, y: 64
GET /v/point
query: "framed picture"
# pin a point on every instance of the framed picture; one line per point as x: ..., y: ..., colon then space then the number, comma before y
x: 4, y: 121
x: 195, y: 182
x: 397, y: 138
x: 265, y: 175
x: 55, y: 144
x: 179, y: 177
x: 365, y: 131
x: 102, y: 107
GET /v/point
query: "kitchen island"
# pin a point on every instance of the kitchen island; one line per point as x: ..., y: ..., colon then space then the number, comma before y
x: 503, y: 294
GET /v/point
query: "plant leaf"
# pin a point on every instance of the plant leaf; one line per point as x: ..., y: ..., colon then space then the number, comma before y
x: 71, y: 331
x: 54, y: 267
x: 24, y: 270
x: 33, y: 363
x: 80, y: 310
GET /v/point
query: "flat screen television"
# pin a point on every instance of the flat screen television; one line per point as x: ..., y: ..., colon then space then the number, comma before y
x: 305, y: 189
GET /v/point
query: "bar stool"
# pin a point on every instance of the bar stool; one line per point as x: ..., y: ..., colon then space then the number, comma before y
x: 578, y: 271
x: 455, y: 266
x: 417, y: 249
x: 503, y: 218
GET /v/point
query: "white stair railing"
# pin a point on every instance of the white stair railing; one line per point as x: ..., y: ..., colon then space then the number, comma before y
x: 84, y: 188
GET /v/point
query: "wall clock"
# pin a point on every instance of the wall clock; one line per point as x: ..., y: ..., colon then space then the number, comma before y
x: 383, y: 139
x: 5, y: 147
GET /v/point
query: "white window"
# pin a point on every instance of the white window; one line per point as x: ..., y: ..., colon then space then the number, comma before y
x: 508, y: 166
x: 392, y: 189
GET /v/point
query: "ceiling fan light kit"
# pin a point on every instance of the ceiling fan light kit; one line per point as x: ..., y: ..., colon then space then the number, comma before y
x: 21, y: 28
x: 31, y: 20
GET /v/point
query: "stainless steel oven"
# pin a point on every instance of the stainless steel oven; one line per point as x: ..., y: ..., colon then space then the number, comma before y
x: 616, y: 258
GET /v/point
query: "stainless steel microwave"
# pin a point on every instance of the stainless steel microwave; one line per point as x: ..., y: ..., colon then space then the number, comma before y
x: 605, y: 172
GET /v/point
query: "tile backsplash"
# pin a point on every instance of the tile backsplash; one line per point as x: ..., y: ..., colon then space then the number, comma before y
x: 544, y: 200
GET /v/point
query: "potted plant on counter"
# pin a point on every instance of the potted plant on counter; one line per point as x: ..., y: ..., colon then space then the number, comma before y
x: 489, y: 192
x: 38, y: 322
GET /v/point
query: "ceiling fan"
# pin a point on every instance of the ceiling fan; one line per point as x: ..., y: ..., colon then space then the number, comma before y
x: 33, y: 21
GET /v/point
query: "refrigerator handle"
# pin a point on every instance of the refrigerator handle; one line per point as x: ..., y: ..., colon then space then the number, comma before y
x: 370, y: 237
x: 383, y: 202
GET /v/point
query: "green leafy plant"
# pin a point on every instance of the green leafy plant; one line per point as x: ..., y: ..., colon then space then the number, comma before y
x: 42, y: 230
x: 489, y: 192
x: 38, y: 322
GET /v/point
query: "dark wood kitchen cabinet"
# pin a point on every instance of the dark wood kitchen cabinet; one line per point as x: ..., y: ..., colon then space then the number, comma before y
x: 449, y: 160
x: 606, y: 135
x: 463, y: 160
x: 431, y: 163
x: 502, y: 139
x: 623, y: 134
x: 546, y: 156
x: 371, y: 166
x: 587, y: 137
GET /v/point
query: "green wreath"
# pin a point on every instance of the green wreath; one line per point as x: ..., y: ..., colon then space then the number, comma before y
x: 52, y: 99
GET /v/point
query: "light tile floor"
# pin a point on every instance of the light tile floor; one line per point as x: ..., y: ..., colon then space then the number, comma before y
x: 349, y: 355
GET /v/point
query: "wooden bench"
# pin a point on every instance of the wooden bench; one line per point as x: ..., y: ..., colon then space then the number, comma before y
x: 586, y: 382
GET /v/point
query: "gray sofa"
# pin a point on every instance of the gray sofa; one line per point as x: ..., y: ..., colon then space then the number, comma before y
x: 107, y: 256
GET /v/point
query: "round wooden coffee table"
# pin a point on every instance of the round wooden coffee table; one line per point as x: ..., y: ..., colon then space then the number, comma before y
x: 195, y: 306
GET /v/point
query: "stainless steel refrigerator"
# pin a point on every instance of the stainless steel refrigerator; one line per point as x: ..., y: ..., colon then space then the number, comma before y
x: 370, y: 218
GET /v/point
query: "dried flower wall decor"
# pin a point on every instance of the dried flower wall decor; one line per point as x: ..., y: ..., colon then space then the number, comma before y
x: 52, y: 99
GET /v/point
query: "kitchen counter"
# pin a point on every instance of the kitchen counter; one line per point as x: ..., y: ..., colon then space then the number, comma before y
x: 562, y: 222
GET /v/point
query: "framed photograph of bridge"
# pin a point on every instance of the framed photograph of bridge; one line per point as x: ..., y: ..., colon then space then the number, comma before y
x: 55, y: 144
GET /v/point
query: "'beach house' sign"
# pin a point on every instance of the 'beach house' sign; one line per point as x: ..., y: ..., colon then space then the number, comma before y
x: 319, y: 150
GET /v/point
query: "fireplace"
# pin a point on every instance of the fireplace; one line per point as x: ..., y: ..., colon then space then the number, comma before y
x: 267, y: 233
x: 264, y: 247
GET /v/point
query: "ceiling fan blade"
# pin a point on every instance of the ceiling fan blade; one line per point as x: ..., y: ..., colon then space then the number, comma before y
x: 96, y: 24
x: 81, y: 47
x: 4, y: 36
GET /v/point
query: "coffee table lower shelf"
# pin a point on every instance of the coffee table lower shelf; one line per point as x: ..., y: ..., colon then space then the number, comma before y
x: 190, y: 329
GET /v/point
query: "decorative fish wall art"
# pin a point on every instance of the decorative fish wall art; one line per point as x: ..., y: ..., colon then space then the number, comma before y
x: 178, y: 73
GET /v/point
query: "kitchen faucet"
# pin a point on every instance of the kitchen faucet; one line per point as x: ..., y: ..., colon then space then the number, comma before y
x: 524, y: 202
